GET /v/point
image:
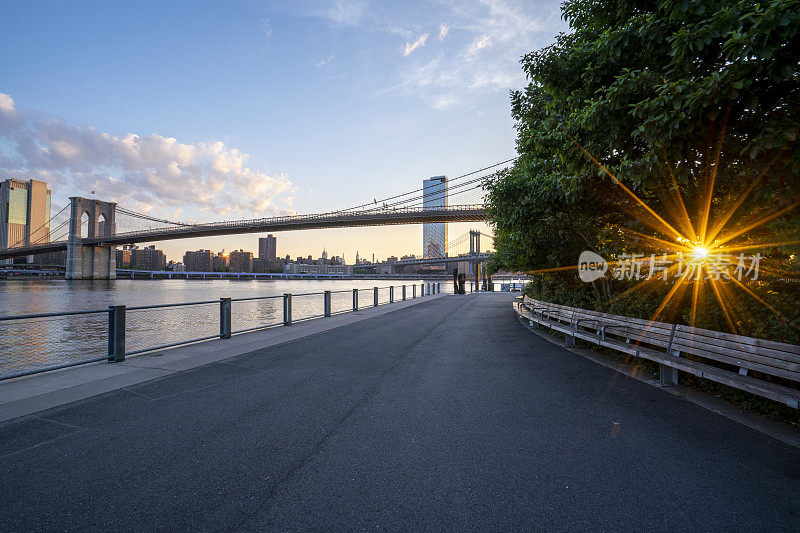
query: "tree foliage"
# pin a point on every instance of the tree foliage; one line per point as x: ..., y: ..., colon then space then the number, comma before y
x: 673, y: 98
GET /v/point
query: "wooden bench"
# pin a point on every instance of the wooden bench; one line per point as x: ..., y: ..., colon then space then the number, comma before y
x: 722, y: 357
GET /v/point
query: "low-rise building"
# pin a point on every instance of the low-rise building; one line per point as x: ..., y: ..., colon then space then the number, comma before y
x: 241, y: 261
x: 148, y: 258
x: 318, y: 269
x: 199, y: 261
x: 221, y: 262
x: 124, y: 257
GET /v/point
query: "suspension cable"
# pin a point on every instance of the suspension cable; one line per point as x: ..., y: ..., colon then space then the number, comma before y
x: 39, y: 228
x: 375, y: 202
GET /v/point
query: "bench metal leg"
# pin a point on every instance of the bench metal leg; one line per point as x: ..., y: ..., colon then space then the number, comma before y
x: 669, y: 375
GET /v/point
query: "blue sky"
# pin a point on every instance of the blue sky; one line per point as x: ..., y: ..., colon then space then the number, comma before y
x: 222, y: 110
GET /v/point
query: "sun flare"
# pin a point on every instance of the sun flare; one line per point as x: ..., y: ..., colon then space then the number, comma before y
x: 709, y: 250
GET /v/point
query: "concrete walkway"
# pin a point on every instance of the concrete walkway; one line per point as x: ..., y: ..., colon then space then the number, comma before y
x: 444, y: 415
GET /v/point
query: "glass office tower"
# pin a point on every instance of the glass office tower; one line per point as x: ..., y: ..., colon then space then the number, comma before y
x: 24, y: 213
x: 434, y: 235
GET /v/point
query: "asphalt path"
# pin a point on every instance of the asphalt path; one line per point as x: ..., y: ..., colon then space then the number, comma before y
x: 448, y: 415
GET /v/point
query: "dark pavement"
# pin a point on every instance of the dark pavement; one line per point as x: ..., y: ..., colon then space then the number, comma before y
x: 448, y: 415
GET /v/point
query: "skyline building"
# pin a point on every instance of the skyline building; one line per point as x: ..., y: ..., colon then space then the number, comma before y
x: 24, y: 213
x: 220, y: 262
x: 199, y: 261
x: 240, y: 261
x: 268, y: 248
x: 148, y: 258
x: 434, y: 235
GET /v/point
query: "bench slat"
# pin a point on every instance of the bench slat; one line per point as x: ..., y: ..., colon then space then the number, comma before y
x: 726, y: 344
x: 752, y: 341
x: 744, y: 358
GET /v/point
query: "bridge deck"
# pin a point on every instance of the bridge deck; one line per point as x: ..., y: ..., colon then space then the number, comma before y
x: 375, y: 217
x: 452, y: 417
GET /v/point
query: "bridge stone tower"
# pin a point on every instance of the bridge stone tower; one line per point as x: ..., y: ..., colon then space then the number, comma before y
x: 91, y: 261
x: 474, y: 242
x: 475, y: 248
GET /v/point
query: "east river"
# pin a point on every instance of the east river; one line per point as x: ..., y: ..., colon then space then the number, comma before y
x: 31, y: 344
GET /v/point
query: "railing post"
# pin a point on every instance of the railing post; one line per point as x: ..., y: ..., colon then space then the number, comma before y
x: 404, y: 292
x: 287, y: 309
x: 116, y: 333
x: 355, y: 299
x: 327, y: 299
x: 375, y: 292
x: 224, y: 318
x: 391, y: 294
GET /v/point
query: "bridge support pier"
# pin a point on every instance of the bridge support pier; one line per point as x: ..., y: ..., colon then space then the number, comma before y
x: 96, y: 260
x: 91, y: 262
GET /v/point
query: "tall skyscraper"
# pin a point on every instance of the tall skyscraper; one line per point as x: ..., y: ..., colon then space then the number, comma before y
x: 268, y: 248
x: 24, y: 213
x: 434, y: 235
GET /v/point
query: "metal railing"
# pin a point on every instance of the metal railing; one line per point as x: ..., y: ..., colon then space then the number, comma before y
x: 218, y: 319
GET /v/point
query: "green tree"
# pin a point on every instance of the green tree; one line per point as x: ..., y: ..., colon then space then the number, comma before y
x: 693, y: 106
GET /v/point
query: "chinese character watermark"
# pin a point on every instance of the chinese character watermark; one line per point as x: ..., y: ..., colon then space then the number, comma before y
x: 633, y: 266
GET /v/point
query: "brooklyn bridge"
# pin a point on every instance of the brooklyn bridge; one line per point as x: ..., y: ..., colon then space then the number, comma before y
x: 87, y: 227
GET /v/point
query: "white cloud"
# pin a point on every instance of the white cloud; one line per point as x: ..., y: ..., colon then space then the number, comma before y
x: 267, y: 29
x: 141, y: 172
x: 479, y: 44
x: 6, y: 103
x: 444, y: 101
x: 324, y: 61
x: 346, y: 13
x: 484, y: 56
x: 410, y: 47
x: 8, y: 113
x: 477, y: 50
